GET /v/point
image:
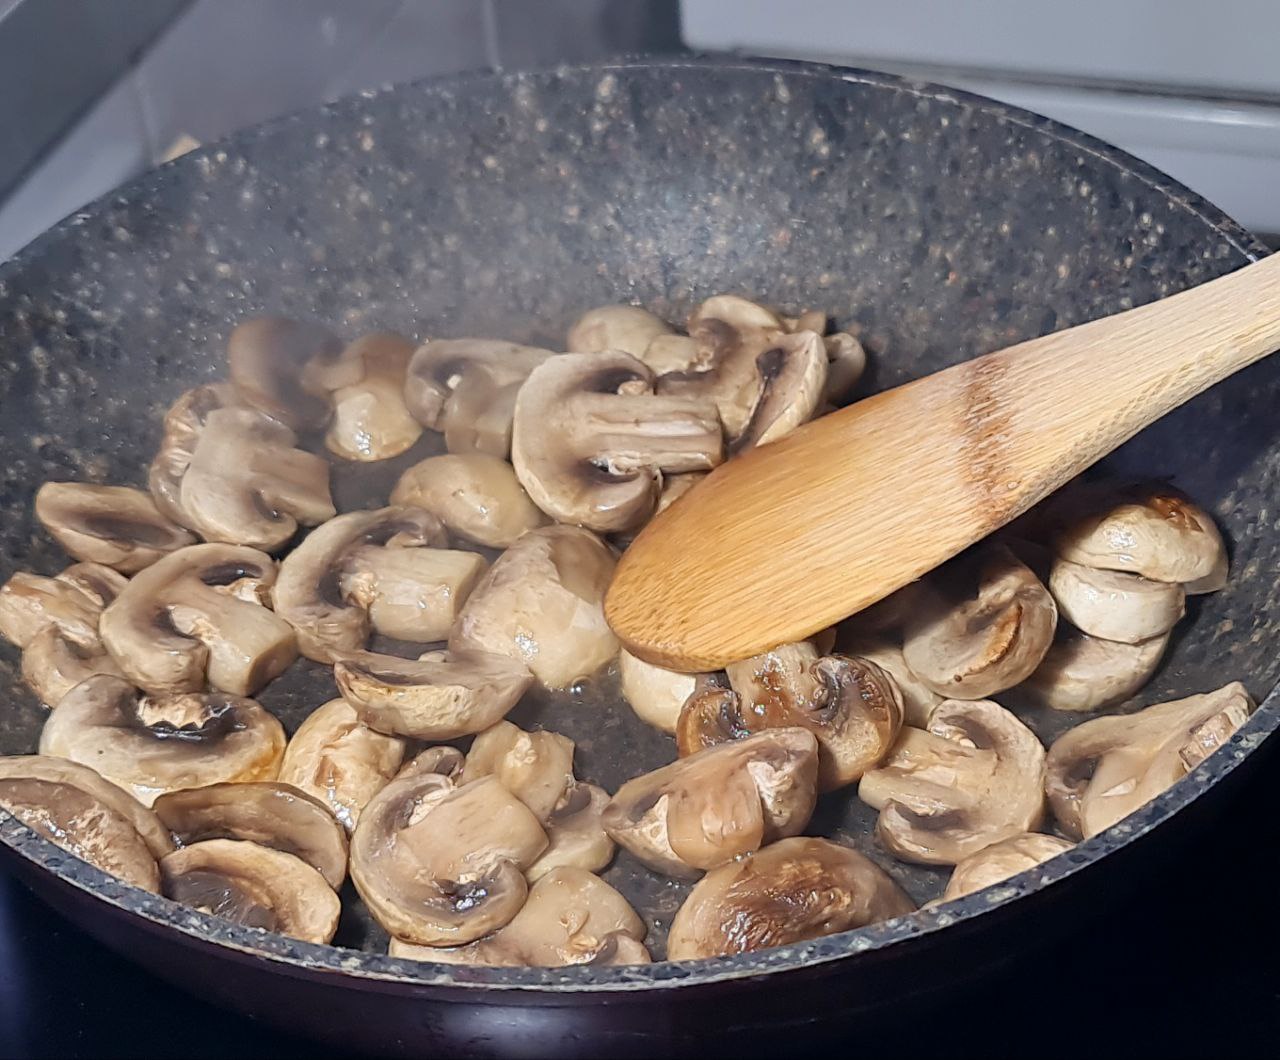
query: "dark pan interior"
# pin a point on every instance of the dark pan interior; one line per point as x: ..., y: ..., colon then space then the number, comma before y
x: 934, y: 225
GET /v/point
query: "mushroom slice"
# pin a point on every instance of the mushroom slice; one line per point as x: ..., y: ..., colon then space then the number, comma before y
x: 329, y: 583
x: 338, y: 759
x: 656, y: 695
x: 542, y: 604
x: 264, y: 812
x: 152, y: 744
x: 670, y: 353
x: 1149, y: 529
x: 728, y: 800
x: 791, y: 891
x: 467, y: 388
x: 441, y: 696
x: 1087, y: 673
x: 575, y: 833
x: 1000, y: 861
x: 918, y: 699
x: 570, y: 917
x: 975, y: 776
x: 846, y: 361
x: 792, y: 379
x: 442, y: 865
x: 113, y: 525
x: 852, y: 706
x: 412, y: 594
x: 280, y: 366
x: 536, y: 767
x: 193, y: 616
x: 183, y: 424
x: 1114, y: 605
x: 986, y: 626
x: 590, y: 439
x: 370, y: 419
x: 252, y: 885
x: 475, y: 495
x: 814, y: 320
x: 248, y: 484
x: 1106, y: 768
x: 616, y: 327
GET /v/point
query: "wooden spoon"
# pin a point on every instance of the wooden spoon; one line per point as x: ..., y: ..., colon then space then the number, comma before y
x: 797, y: 534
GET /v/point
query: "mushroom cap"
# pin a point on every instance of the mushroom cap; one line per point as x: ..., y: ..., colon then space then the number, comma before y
x: 1149, y: 529
x: 248, y: 484
x: 1114, y: 605
x: 1000, y: 861
x: 253, y: 885
x: 475, y: 495
x: 183, y: 423
x: 264, y: 812
x: 1104, y: 769
x: 918, y: 699
x: 670, y: 353
x: 542, y: 604
x: 196, y: 613
x: 703, y: 810
x: 412, y: 594
x: 441, y: 696
x: 570, y: 917
x: 590, y: 439
x: 851, y: 705
x: 985, y: 626
x: 439, y: 368
x: 575, y: 833
x: 152, y: 744
x: 1081, y: 673
x: 846, y: 361
x: 53, y: 664
x: 63, y: 771
x: 117, y: 526
x: 275, y: 365
x: 656, y: 695
x: 616, y: 327
x: 975, y: 776
x: 315, y: 592
x: 536, y: 767
x: 442, y: 865
x: 370, y: 418
x: 338, y: 759
x: 790, y: 891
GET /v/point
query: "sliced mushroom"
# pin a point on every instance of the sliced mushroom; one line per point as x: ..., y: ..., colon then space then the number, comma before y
x: 985, y: 626
x: 575, y: 833
x: 467, y: 388
x: 113, y: 525
x: 183, y: 424
x: 616, y: 327
x: 1147, y: 528
x: 536, y: 767
x: 706, y: 809
x: 670, y: 353
x: 370, y: 418
x: 264, y: 812
x: 152, y: 744
x: 196, y: 615
x: 1000, y: 861
x: 814, y: 320
x: 655, y: 694
x: 55, y: 623
x: 852, y: 706
x: 440, y: 696
x: 571, y: 917
x: 1087, y: 673
x: 248, y: 484
x: 542, y: 604
x: 791, y: 891
x: 413, y: 594
x: 1114, y: 605
x: 477, y: 496
x: 338, y: 759
x: 974, y: 777
x: 846, y: 361
x: 918, y: 699
x: 254, y: 886
x: 442, y: 865
x: 279, y: 366
x: 1104, y: 769
x: 590, y: 439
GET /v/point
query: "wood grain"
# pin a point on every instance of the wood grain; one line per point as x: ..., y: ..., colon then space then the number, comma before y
x: 796, y: 535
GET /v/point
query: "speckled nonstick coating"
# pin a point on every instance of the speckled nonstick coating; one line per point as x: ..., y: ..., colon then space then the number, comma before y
x: 937, y: 224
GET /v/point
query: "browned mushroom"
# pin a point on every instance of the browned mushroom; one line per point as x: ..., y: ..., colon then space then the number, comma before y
x: 475, y: 495
x: 999, y: 861
x: 918, y: 699
x: 1106, y: 768
x: 112, y: 525
x: 728, y: 800
x: 790, y: 891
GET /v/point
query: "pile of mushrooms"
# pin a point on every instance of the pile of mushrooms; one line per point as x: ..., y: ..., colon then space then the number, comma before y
x: 481, y: 576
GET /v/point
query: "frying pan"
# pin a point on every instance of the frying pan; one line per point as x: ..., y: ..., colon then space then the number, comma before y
x: 937, y: 224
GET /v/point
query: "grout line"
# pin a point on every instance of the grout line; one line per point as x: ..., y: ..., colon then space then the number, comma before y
x: 489, y: 17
